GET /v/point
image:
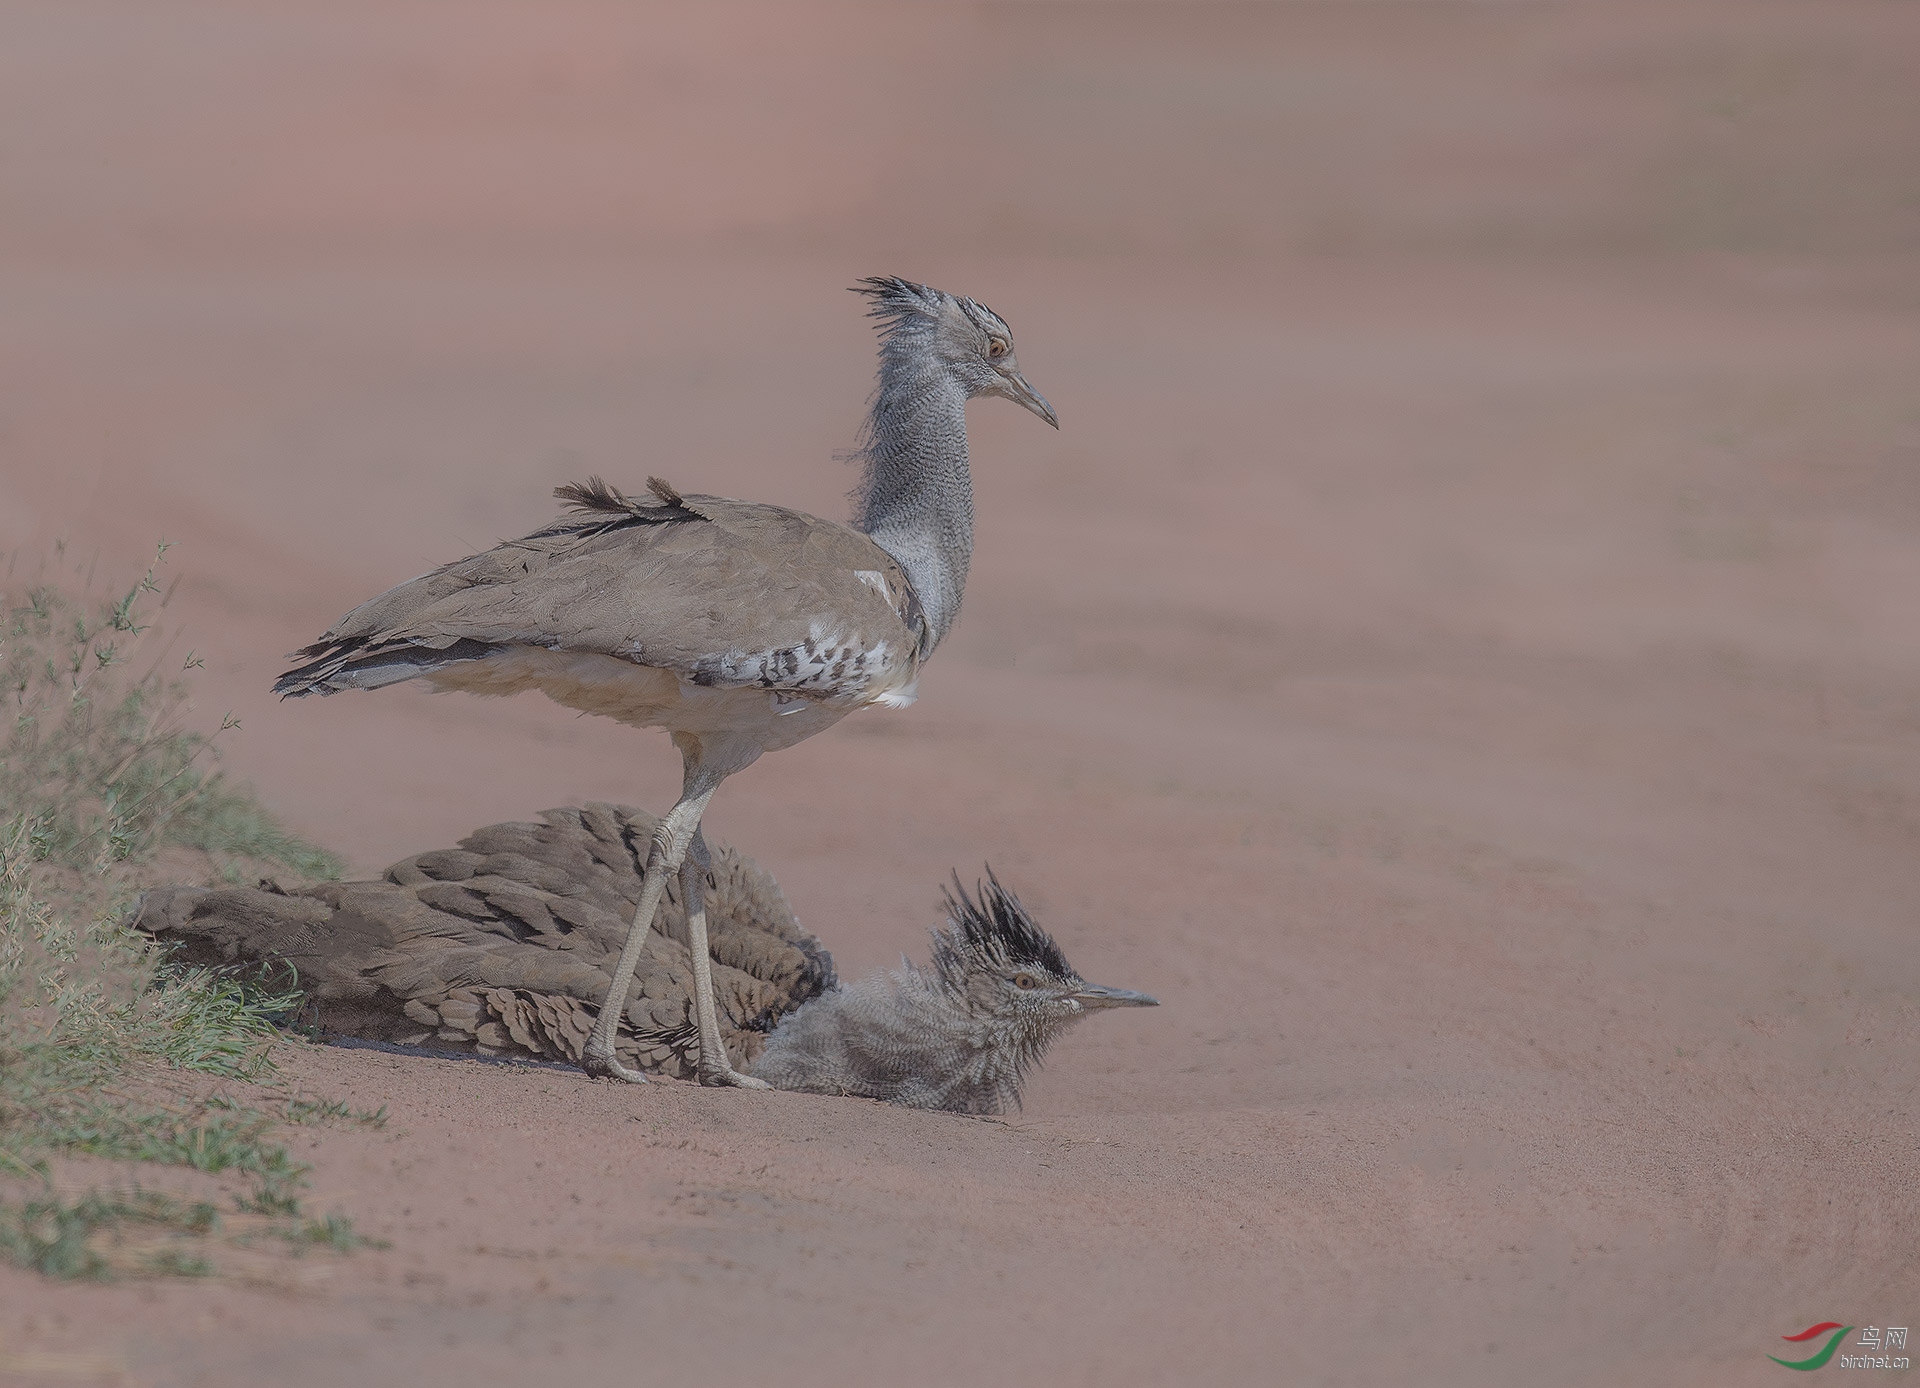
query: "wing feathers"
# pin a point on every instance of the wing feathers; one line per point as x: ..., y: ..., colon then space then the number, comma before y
x: 692, y: 584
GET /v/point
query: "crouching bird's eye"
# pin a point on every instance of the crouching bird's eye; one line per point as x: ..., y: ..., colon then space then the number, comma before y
x: 1024, y: 981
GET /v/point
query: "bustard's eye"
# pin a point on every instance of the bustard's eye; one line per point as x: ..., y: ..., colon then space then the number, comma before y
x: 997, y: 348
x: 1025, y: 981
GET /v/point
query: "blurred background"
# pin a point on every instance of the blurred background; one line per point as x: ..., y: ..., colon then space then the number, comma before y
x: 1459, y: 649
x: 1561, y: 326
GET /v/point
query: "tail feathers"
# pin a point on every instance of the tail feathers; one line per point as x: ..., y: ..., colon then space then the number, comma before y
x: 364, y: 650
x: 332, y: 668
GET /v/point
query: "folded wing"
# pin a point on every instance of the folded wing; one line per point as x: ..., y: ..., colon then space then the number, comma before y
x: 720, y: 592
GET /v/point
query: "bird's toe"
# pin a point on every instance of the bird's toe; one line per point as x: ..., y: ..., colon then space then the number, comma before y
x: 602, y: 1065
x: 734, y: 1078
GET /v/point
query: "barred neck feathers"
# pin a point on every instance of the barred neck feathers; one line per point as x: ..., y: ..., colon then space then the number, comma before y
x: 915, y: 497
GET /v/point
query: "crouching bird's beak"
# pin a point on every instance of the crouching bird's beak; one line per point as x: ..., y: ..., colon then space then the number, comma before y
x: 1091, y: 995
x: 1018, y: 390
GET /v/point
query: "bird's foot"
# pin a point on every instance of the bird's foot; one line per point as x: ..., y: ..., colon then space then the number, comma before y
x: 733, y: 1077
x: 601, y: 1063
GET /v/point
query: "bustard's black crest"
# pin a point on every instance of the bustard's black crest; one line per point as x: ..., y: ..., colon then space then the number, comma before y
x: 899, y: 303
x: 992, y: 930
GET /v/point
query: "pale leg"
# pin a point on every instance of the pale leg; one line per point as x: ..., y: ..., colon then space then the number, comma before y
x: 670, y: 840
x: 715, y: 1067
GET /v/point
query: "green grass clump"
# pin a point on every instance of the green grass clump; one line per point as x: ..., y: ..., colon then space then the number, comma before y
x: 57, y: 1236
x: 230, y: 822
x: 98, y: 772
x: 333, y: 1111
x: 333, y: 1231
x: 94, y: 754
x: 222, y: 1021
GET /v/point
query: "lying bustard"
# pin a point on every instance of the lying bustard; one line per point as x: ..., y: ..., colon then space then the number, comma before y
x: 739, y: 628
x: 505, y: 944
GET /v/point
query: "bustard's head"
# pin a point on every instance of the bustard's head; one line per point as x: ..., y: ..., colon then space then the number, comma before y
x: 960, y: 1035
x: 971, y: 342
x: 1002, y: 968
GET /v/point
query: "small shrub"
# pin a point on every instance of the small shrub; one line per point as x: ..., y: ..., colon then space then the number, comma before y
x: 98, y: 771
x: 94, y: 754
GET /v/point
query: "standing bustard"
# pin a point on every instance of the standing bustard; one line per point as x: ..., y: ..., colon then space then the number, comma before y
x: 739, y: 628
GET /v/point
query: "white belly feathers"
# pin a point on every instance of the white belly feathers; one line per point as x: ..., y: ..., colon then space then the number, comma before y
x: 645, y: 696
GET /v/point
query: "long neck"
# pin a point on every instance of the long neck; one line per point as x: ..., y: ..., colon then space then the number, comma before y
x: 916, y: 496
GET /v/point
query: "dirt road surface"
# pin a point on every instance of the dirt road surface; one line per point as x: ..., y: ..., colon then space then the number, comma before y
x: 1459, y: 653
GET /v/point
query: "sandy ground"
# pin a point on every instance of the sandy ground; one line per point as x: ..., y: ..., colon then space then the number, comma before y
x: 1459, y: 653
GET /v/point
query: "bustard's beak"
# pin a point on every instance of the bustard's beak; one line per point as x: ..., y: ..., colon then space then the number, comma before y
x: 1091, y: 995
x: 1018, y: 390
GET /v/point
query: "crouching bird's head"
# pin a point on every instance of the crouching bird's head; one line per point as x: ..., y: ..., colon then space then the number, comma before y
x: 994, y: 961
x: 961, y: 1034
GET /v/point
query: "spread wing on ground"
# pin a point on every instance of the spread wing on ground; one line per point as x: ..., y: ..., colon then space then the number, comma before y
x: 506, y: 944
